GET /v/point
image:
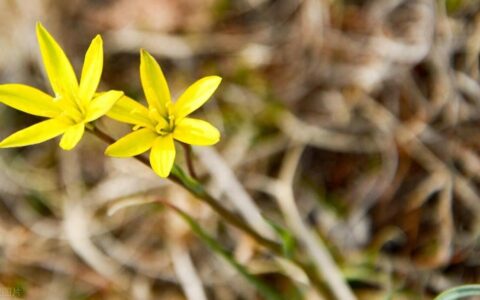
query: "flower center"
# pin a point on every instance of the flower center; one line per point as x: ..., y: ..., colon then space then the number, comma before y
x: 165, y: 121
x: 166, y: 125
x: 74, y: 112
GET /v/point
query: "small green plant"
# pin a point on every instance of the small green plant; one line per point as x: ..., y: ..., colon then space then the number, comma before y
x: 460, y: 292
x: 76, y: 105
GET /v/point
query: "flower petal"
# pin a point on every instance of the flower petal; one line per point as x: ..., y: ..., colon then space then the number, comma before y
x: 92, y: 70
x: 35, y: 134
x: 130, y: 111
x: 132, y: 144
x: 102, y: 104
x: 196, y: 132
x: 29, y: 100
x: 72, y: 136
x: 196, y: 95
x: 154, y: 84
x: 59, y: 70
x: 162, y: 155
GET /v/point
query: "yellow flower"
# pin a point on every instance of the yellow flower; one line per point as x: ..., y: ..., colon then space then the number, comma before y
x: 74, y: 104
x: 163, y: 121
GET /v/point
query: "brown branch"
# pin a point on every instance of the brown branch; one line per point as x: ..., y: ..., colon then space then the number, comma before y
x: 189, y: 158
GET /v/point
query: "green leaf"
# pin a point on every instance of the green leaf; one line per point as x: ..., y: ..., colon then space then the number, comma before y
x: 287, y: 238
x: 265, y: 290
x: 39, y: 203
x: 460, y: 292
x: 190, y: 184
x: 453, y: 5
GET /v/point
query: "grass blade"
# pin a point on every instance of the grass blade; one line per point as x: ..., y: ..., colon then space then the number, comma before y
x: 460, y: 292
x: 265, y: 290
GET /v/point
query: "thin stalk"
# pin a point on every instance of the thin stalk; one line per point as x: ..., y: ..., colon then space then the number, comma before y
x: 189, y: 158
x: 263, y: 288
x: 195, y: 188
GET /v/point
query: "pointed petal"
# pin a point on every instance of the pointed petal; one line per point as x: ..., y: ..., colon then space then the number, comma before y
x: 132, y: 144
x: 102, y: 104
x: 154, y: 84
x: 59, y: 70
x: 196, y: 132
x: 196, y: 95
x: 92, y: 70
x: 35, y: 134
x: 162, y: 155
x: 29, y: 100
x: 72, y: 136
x: 130, y: 111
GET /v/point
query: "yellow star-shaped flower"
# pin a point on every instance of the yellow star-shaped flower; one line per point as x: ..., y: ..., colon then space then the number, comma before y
x: 73, y: 105
x: 163, y: 121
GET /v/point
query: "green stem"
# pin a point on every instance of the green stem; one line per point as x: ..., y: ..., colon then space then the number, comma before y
x: 264, y: 289
x: 177, y: 175
x: 195, y: 188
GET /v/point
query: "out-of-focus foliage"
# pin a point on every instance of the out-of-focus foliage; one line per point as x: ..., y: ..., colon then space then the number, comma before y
x: 368, y: 110
x: 460, y: 292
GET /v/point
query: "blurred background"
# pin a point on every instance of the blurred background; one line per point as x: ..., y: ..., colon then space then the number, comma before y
x: 368, y: 111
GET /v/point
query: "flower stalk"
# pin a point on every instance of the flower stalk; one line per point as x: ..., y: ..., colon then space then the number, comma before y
x: 76, y: 104
x: 178, y: 176
x: 187, y: 149
x: 195, y: 188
